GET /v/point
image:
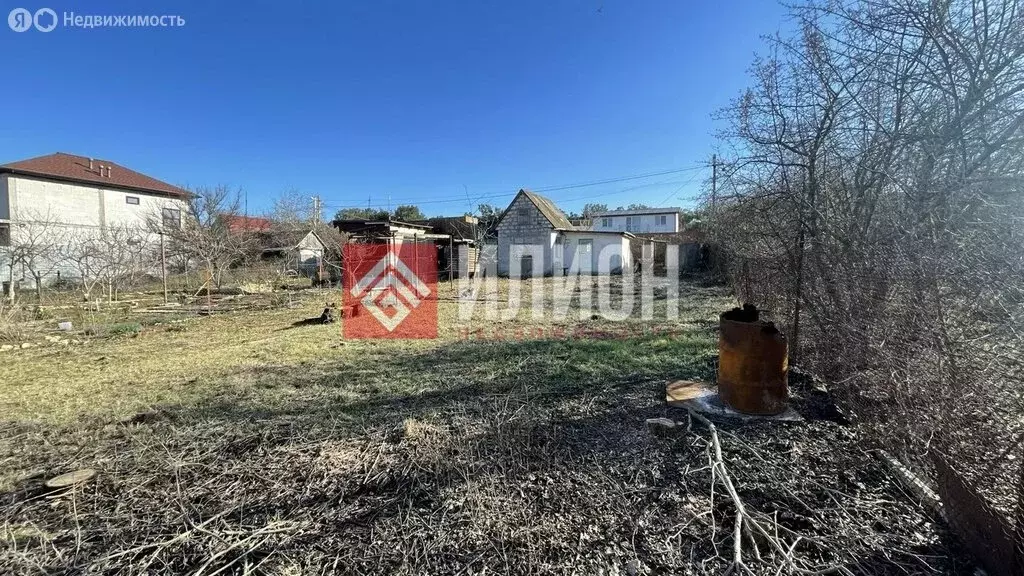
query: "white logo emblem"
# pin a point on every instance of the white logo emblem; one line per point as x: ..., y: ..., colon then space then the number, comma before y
x: 20, y: 19
x: 386, y: 286
x: 45, y: 25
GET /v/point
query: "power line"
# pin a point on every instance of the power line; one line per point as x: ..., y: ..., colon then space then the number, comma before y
x: 622, y: 179
x: 510, y: 194
x: 678, y: 190
x: 453, y: 199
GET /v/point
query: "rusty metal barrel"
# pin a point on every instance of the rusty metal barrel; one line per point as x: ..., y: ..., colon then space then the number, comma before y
x: 753, y: 363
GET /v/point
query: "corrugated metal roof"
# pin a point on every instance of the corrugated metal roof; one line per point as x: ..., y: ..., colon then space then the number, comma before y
x: 548, y: 209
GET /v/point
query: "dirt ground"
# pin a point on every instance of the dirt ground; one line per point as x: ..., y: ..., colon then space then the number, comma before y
x: 247, y: 443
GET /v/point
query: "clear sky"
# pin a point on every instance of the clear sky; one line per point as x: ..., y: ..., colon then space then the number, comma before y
x: 439, y: 103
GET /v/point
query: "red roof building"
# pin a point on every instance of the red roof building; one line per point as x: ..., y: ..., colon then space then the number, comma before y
x: 237, y: 224
x: 91, y: 171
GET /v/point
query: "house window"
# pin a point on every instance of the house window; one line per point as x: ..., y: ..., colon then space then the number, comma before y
x: 662, y: 220
x: 606, y: 222
x: 172, y: 218
x: 524, y: 214
x: 133, y: 200
x: 629, y: 223
x: 5, y: 234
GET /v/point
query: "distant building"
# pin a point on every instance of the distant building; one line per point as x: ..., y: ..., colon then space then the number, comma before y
x: 81, y: 192
x: 60, y: 196
x: 238, y: 224
x: 647, y: 220
x: 300, y: 250
x: 457, y: 238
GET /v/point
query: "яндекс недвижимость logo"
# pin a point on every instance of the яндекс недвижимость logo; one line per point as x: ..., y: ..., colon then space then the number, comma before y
x: 46, y: 20
x: 21, y: 19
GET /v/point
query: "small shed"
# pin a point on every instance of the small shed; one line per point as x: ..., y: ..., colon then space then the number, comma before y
x: 301, y: 250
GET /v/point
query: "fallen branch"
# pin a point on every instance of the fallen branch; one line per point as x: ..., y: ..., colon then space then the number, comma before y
x: 745, y: 522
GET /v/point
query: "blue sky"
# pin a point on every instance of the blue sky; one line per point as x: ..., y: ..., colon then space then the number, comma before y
x: 439, y: 103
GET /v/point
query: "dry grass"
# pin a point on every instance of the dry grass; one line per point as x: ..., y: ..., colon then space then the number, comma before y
x: 281, y: 449
x: 188, y: 360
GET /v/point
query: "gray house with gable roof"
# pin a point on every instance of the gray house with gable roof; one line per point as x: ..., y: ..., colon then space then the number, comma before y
x: 536, y: 239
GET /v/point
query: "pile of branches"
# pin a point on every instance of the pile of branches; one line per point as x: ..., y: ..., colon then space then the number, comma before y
x: 875, y: 206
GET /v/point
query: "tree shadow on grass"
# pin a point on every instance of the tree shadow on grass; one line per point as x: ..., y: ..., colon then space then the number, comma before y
x: 412, y: 383
x: 509, y: 455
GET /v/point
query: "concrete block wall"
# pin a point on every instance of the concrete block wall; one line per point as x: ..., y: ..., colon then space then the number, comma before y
x: 524, y: 225
x: 68, y: 212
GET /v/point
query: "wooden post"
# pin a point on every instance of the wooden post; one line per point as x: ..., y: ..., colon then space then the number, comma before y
x: 163, y: 265
x: 208, y: 283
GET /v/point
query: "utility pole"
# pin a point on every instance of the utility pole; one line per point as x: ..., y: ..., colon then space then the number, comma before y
x: 316, y: 211
x: 317, y: 206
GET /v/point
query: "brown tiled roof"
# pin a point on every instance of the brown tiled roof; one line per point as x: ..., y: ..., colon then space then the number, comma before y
x: 61, y: 166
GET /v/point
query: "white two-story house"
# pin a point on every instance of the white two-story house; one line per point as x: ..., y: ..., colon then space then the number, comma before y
x: 644, y: 221
x: 61, y: 196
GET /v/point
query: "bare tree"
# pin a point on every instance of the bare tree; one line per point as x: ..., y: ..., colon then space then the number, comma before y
x: 293, y: 209
x: 874, y: 203
x: 202, y: 233
x: 112, y: 257
x: 85, y: 257
x: 35, y: 239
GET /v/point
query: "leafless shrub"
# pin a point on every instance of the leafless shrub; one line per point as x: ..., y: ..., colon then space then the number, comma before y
x: 202, y: 234
x: 34, y: 249
x: 293, y: 210
x: 111, y: 259
x: 875, y: 205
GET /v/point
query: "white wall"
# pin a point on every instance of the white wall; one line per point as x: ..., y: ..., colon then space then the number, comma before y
x: 311, y: 251
x: 118, y: 212
x: 611, y: 253
x: 639, y: 223
x: 560, y: 251
x: 81, y: 206
x: 72, y: 211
